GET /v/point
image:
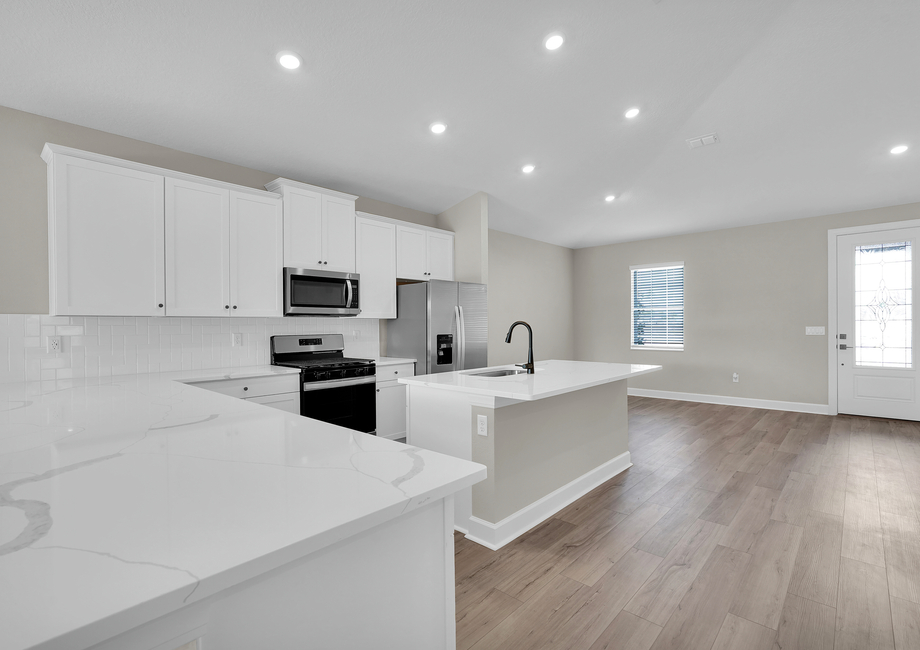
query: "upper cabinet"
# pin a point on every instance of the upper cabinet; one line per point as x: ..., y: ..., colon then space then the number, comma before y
x: 105, y: 235
x: 128, y: 241
x: 319, y: 226
x: 375, y: 252
x: 424, y: 254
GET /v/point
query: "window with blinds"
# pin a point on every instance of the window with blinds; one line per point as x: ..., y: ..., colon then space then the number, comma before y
x: 658, y: 306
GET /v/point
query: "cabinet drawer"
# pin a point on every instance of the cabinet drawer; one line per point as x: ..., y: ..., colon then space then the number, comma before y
x: 252, y: 387
x: 389, y: 373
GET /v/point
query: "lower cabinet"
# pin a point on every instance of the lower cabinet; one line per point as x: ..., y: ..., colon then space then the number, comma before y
x: 391, y: 400
x: 281, y: 392
x: 289, y: 402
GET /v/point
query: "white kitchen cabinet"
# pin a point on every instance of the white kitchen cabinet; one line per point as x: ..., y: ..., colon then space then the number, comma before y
x: 440, y: 256
x: 288, y: 402
x: 197, y: 249
x: 223, y: 251
x: 423, y: 254
x: 256, y: 255
x: 319, y: 226
x: 375, y: 261
x: 106, y: 239
x: 277, y: 391
x: 391, y: 400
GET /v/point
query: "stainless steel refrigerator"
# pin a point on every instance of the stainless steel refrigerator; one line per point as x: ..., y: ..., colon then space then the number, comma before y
x: 443, y: 325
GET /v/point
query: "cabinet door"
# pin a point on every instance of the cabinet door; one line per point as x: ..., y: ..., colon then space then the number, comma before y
x: 440, y: 256
x: 303, y: 229
x: 391, y: 410
x: 289, y: 402
x: 338, y: 234
x: 411, y: 253
x: 197, y: 249
x: 256, y: 259
x: 106, y: 240
x: 375, y: 261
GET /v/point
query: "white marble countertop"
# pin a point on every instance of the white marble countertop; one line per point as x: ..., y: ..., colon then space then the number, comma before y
x: 551, y: 378
x: 125, y: 498
x: 392, y: 361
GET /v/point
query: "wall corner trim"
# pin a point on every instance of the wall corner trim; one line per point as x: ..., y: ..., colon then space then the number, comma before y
x: 726, y: 400
x: 494, y: 536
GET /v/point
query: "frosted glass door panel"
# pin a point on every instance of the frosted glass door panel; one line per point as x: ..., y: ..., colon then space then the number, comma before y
x: 884, y: 310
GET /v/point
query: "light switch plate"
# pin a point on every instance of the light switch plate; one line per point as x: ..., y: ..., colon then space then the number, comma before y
x: 814, y: 330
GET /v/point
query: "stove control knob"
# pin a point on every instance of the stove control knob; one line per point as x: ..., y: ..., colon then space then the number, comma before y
x: 360, y: 372
x: 320, y: 375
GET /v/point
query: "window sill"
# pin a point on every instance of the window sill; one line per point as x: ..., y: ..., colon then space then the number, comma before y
x: 652, y: 347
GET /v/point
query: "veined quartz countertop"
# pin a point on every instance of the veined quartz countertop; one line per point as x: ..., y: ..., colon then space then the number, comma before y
x: 125, y: 498
x: 551, y: 378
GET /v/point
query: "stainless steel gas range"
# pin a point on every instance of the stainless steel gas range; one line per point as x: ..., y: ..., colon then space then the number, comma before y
x: 333, y: 387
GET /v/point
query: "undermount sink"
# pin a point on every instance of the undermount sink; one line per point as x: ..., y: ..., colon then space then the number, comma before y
x: 497, y: 373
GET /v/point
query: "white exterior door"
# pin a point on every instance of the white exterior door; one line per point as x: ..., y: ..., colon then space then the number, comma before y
x: 197, y: 249
x: 256, y: 257
x: 411, y: 253
x: 375, y: 248
x: 440, y: 256
x: 338, y: 234
x: 876, y: 372
x: 107, y: 238
x: 303, y: 225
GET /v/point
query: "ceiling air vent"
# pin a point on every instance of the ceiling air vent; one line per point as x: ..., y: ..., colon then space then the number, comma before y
x: 703, y: 140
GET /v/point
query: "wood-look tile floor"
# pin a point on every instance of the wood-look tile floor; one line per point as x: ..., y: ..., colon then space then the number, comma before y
x: 735, y: 528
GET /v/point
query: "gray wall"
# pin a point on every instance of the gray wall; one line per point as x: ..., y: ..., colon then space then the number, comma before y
x: 24, y: 204
x: 469, y: 221
x: 530, y: 281
x: 749, y: 294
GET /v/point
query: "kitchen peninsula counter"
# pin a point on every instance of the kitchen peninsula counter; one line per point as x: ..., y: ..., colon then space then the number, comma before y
x: 546, y: 438
x: 142, y: 512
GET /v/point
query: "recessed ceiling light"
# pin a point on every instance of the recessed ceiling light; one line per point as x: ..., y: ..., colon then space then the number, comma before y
x: 289, y: 60
x: 632, y: 112
x: 901, y: 148
x: 609, y: 198
x: 554, y: 42
x: 527, y: 168
x: 438, y: 127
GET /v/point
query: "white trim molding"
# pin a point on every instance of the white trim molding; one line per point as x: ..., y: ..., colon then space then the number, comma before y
x: 832, y: 235
x: 494, y: 536
x: 748, y: 402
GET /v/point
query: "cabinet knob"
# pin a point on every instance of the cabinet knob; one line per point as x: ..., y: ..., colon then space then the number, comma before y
x: 234, y: 306
x: 160, y: 305
x: 245, y: 387
x: 320, y: 262
x: 325, y: 262
x: 395, y: 372
x: 226, y: 306
x: 378, y: 390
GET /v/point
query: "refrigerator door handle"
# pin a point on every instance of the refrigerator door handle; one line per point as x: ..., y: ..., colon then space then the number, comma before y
x: 459, y: 342
x: 462, y: 333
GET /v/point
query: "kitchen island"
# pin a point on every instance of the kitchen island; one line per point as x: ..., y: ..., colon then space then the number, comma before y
x: 546, y: 438
x: 140, y: 512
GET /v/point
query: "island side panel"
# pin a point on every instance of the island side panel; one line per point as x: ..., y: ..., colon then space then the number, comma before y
x: 535, y: 448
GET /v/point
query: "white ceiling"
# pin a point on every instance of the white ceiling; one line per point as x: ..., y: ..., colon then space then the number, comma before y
x: 807, y: 96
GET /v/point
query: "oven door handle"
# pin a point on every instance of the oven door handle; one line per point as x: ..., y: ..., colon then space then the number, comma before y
x: 338, y: 383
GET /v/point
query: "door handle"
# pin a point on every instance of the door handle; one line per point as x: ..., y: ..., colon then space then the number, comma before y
x: 459, y: 360
x: 462, y: 334
x: 348, y: 291
x: 843, y: 346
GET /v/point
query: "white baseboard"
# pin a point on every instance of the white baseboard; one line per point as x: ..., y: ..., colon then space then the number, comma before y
x: 494, y: 536
x: 749, y: 402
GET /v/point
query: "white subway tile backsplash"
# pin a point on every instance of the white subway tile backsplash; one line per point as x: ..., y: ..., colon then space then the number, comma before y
x: 106, y: 346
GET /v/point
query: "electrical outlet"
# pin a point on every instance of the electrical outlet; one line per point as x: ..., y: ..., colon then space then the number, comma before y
x: 735, y: 377
x: 54, y: 344
x: 482, y: 425
x: 236, y: 339
x: 814, y: 330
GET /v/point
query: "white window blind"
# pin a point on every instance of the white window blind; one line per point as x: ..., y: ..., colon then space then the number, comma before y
x: 658, y: 306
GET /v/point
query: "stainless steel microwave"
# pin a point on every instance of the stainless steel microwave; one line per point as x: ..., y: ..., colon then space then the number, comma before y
x: 320, y: 293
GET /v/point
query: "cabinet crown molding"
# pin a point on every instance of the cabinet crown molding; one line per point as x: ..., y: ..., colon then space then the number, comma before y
x: 279, y: 183
x: 400, y: 222
x: 50, y: 150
